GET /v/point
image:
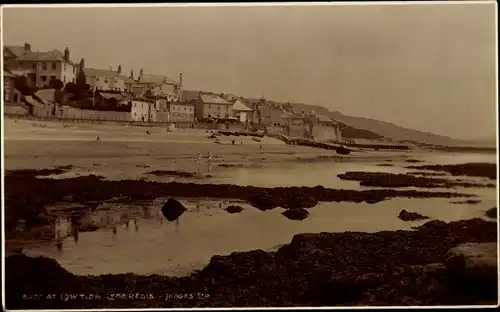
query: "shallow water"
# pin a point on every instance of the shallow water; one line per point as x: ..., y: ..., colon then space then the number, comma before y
x: 146, y: 243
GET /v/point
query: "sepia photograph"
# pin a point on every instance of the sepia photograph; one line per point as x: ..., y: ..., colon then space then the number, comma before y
x: 249, y: 155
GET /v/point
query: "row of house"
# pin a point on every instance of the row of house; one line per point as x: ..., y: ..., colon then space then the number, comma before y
x: 158, y: 98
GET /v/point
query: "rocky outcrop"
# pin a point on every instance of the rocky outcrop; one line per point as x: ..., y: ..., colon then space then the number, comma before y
x: 340, y: 269
x: 385, y: 179
x: 473, y: 264
x: 486, y: 170
x: 26, y: 195
x: 411, y: 216
x: 492, y: 213
x: 172, y: 209
x: 234, y: 209
x: 467, y: 202
x: 296, y: 214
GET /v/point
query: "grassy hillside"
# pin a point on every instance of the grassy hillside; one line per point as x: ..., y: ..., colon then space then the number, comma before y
x: 371, y: 129
x: 397, y: 133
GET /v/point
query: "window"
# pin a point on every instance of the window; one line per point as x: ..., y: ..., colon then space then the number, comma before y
x: 44, y: 66
x: 209, y: 105
x: 184, y: 109
x: 96, y: 78
x: 64, y: 67
x: 54, y: 66
x: 53, y: 78
x: 64, y: 79
x: 44, y: 78
x: 34, y: 66
x: 105, y: 80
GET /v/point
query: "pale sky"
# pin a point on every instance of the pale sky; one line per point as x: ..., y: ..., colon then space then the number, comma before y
x: 425, y: 67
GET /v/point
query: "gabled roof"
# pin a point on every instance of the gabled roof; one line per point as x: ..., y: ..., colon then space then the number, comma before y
x: 17, y: 51
x: 48, y: 95
x: 189, y: 95
x: 215, y: 99
x: 323, y: 118
x: 239, y: 106
x: 50, y: 56
x: 92, y: 72
x: 155, y: 79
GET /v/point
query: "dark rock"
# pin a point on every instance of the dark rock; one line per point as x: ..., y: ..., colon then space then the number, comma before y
x: 234, y: 209
x: 411, y: 216
x: 428, y: 173
x: 492, y: 213
x: 385, y: 179
x: 172, y: 209
x: 472, y: 267
x: 469, y: 202
x: 296, y: 214
x: 262, y: 201
x: 413, y: 160
x: 486, y: 170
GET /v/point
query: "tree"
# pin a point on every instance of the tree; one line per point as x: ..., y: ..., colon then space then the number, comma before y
x: 22, y: 84
x: 81, y: 80
x: 56, y: 84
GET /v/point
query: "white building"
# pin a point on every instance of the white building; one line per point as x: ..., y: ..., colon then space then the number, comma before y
x: 143, y: 110
x: 45, y: 67
x: 105, y: 80
x: 241, y: 111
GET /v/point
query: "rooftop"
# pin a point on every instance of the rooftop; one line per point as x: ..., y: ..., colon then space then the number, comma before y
x: 215, y: 99
x: 239, y: 106
x: 189, y: 95
x: 324, y: 118
x: 17, y: 51
x: 92, y: 72
x: 50, y: 56
x: 155, y: 79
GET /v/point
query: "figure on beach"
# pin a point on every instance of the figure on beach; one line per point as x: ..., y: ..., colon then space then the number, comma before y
x: 98, y: 139
x: 59, y: 245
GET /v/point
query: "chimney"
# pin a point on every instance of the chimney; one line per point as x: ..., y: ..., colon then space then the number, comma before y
x: 132, y: 74
x: 141, y: 72
x: 27, y: 47
x: 119, y: 69
x: 66, y: 54
x: 180, y: 80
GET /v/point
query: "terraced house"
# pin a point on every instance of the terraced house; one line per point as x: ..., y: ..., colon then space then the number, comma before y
x: 106, y: 80
x: 208, y: 105
x: 157, y: 86
x: 44, y: 67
